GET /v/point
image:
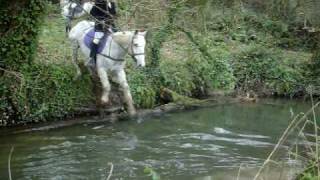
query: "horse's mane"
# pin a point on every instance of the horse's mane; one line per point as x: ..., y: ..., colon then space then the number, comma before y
x: 122, y: 37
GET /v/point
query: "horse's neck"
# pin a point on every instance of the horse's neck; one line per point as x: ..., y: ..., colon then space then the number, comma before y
x: 123, y: 38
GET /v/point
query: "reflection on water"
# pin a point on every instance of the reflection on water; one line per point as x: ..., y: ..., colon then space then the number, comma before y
x: 209, y: 143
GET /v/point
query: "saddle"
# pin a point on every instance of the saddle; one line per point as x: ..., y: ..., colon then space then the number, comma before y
x: 88, y: 40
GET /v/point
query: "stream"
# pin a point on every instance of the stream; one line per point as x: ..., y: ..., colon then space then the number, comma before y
x: 203, y: 144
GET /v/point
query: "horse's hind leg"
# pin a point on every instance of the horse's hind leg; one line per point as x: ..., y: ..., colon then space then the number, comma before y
x: 105, y: 85
x: 120, y: 78
x: 75, y: 48
x: 68, y: 25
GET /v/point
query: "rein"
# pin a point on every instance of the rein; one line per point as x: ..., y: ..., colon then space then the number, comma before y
x: 133, y: 55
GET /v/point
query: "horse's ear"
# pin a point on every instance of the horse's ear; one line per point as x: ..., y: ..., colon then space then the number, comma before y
x: 141, y: 32
x: 144, y: 33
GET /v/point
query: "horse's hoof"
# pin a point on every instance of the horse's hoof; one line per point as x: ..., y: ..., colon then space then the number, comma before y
x: 104, y: 100
x: 91, y: 64
x: 132, y: 113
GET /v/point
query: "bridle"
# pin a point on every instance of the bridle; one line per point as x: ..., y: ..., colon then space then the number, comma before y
x: 133, y: 55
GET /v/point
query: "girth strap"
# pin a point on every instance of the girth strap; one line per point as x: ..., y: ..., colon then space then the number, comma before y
x: 114, y: 59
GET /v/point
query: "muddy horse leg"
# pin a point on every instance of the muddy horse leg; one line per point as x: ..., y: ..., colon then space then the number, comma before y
x: 120, y: 78
x: 105, y: 85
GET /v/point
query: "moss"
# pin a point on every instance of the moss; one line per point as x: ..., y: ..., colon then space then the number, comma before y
x: 170, y: 96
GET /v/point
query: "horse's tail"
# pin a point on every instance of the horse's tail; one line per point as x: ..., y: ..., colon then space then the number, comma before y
x: 75, y: 48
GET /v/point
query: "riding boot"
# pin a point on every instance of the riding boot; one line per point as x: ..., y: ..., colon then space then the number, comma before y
x: 113, y: 28
x: 93, y: 55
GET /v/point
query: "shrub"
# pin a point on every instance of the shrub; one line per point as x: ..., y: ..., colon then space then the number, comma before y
x: 263, y: 70
x: 177, y: 77
x: 212, y: 74
x: 143, y: 88
x: 19, y: 26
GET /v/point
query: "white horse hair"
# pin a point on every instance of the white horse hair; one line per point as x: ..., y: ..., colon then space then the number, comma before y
x: 63, y: 2
x: 110, y: 62
x: 71, y: 10
x: 67, y: 6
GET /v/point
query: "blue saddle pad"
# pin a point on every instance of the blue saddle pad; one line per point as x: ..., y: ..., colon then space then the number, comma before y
x: 88, y: 40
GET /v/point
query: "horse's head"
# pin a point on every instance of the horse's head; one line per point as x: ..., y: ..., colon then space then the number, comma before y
x: 72, y: 9
x: 137, y: 50
x: 63, y: 3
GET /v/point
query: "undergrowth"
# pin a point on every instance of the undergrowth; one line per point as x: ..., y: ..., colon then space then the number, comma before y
x: 237, y: 51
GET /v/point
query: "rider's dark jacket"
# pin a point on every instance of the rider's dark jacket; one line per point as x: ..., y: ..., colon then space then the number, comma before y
x: 103, y: 14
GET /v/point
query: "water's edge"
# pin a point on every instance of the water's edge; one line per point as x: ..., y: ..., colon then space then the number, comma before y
x: 116, y: 114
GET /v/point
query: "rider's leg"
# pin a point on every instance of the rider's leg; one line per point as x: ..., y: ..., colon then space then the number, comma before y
x: 94, y: 48
x: 114, y: 28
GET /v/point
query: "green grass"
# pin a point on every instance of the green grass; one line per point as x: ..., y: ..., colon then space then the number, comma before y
x: 54, y: 46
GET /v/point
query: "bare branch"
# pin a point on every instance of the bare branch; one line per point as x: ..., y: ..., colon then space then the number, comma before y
x: 9, y: 163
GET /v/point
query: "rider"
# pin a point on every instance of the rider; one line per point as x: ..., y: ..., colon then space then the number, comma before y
x: 104, y: 12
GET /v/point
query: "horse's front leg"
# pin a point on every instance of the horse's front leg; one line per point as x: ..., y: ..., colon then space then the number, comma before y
x: 105, y: 84
x: 120, y: 78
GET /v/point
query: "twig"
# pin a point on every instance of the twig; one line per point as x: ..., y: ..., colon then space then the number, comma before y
x: 110, y: 172
x: 316, y: 133
x: 88, y: 13
x: 311, y: 122
x: 16, y: 74
x: 291, y: 126
x: 303, y: 136
x: 9, y: 163
x: 239, y: 172
x: 133, y: 13
x: 281, y: 173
